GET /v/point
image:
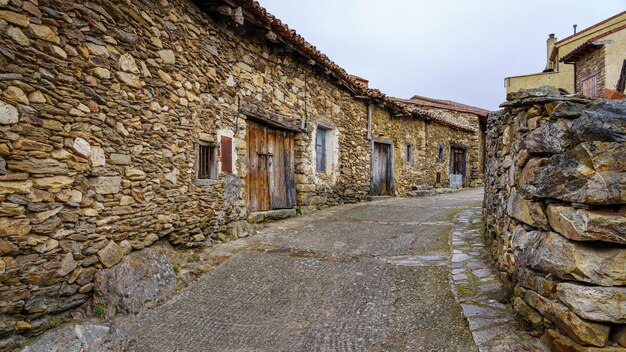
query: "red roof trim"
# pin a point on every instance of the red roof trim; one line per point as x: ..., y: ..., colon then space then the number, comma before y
x: 590, y: 28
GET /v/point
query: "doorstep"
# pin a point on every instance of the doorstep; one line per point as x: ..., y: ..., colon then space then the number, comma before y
x: 271, y: 215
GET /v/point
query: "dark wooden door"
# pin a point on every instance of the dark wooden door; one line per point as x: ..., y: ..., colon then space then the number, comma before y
x: 271, y: 174
x: 382, y: 169
x: 457, y: 162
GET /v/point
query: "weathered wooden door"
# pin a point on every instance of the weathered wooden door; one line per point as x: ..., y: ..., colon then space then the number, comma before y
x: 271, y: 173
x: 382, y: 169
x: 457, y: 167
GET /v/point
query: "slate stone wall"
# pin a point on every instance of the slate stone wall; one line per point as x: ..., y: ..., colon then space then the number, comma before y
x: 102, y: 107
x: 555, y: 214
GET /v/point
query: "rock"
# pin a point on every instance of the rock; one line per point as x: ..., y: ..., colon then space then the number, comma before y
x: 567, y: 109
x: 86, y: 337
x: 588, y: 225
x: 45, y: 33
x: 590, y: 173
x: 134, y: 174
x: 98, y: 157
x: 38, y: 218
x: 97, y: 50
x: 15, y: 187
x: 16, y: 94
x: 110, y: 255
x: 167, y: 56
x: 560, y: 343
x: 106, y: 184
x: 126, y: 200
x: 543, y: 91
x: 130, y: 80
x: 18, y: 36
x: 141, y: 280
x: 81, y: 147
x: 604, y: 304
x: 37, y: 97
x: 14, y: 18
x: 10, y: 209
x: 527, y: 312
x: 127, y: 63
x: 604, y: 120
x: 579, y: 330
x: 101, y: 73
x: 526, y: 211
x: 8, y: 114
x: 52, y: 182
x: 14, y: 227
x: 39, y: 166
x: 619, y: 335
x: 550, y: 138
x: 68, y: 264
x: 119, y: 159
x: 594, y: 263
x: 3, y: 166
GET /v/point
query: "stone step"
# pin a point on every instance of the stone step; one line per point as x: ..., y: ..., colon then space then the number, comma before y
x: 271, y: 215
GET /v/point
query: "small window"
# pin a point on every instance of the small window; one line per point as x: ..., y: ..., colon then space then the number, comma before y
x: 322, y: 139
x: 440, y: 154
x: 207, y: 162
x: 409, y: 154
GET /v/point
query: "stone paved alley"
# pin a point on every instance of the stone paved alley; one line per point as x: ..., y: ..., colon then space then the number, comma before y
x: 365, y: 277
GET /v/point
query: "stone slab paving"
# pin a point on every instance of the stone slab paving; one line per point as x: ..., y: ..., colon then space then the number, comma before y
x: 494, y: 325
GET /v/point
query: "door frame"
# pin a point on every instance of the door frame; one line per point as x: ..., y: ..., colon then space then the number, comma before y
x: 462, y: 148
x: 392, y: 183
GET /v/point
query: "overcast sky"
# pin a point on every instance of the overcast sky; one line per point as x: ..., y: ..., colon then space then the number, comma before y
x: 447, y: 49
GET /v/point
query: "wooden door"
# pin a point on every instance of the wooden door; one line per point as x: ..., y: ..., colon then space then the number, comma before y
x: 271, y: 173
x: 382, y: 169
x: 458, y: 164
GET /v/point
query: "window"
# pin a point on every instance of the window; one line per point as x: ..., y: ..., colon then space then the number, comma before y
x: 206, y: 162
x: 440, y: 154
x: 409, y: 154
x: 590, y: 86
x: 322, y: 141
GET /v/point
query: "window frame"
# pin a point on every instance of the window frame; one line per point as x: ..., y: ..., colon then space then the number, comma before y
x: 409, y: 153
x: 206, y: 173
x: 324, y: 147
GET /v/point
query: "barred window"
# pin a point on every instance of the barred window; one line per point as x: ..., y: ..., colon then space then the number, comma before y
x: 206, y: 161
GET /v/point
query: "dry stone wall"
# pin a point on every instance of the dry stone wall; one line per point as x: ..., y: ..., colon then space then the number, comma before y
x: 555, y: 213
x: 102, y: 107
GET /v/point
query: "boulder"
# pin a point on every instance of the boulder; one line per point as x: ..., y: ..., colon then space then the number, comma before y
x: 588, y: 225
x: 591, y: 173
x: 590, y: 262
x: 141, y: 280
x: 604, y: 120
x: 579, y: 330
x: 567, y: 109
x: 110, y: 255
x: 87, y: 337
x: 605, y: 304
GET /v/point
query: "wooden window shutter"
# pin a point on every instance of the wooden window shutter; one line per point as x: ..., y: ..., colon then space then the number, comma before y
x: 227, y: 154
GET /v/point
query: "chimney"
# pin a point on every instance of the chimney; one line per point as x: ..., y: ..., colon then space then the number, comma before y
x: 360, y: 80
x: 550, y: 43
x: 575, y: 28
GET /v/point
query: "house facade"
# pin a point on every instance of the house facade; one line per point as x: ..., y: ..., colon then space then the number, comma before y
x: 124, y: 124
x: 607, y: 36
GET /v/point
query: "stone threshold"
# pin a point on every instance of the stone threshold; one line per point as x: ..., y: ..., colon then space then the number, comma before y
x: 479, y: 292
x: 271, y: 215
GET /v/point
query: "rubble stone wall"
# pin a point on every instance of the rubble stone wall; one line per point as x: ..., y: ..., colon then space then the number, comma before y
x: 555, y: 214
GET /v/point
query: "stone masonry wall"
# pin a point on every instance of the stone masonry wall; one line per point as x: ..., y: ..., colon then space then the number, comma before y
x: 590, y: 64
x: 555, y: 215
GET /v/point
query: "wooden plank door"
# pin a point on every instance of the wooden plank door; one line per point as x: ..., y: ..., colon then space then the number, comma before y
x: 257, y: 180
x: 271, y: 175
x: 458, y: 166
x: 382, y: 169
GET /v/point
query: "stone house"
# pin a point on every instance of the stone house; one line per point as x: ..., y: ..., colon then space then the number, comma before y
x: 123, y: 124
x: 561, y: 54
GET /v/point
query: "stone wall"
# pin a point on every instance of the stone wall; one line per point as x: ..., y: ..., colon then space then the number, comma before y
x: 102, y: 108
x: 555, y: 215
x: 590, y: 64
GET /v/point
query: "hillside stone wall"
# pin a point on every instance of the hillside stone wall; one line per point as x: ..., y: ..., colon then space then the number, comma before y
x: 555, y: 215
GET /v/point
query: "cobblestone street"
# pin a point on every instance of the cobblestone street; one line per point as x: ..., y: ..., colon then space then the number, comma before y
x: 372, y: 276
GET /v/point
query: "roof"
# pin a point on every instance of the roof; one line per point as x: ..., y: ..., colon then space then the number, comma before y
x: 446, y: 104
x: 590, y: 28
x: 588, y: 46
x: 291, y: 37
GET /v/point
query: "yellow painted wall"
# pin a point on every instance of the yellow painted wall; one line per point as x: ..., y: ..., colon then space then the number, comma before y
x: 615, y: 56
x: 564, y: 76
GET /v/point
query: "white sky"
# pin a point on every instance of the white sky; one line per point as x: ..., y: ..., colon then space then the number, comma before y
x: 447, y: 49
